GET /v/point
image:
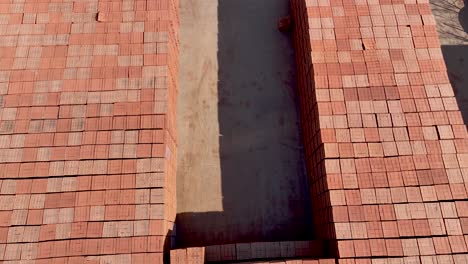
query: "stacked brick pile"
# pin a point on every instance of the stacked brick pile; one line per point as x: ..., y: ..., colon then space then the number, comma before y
x: 263, y: 250
x: 188, y: 256
x: 292, y: 251
x: 293, y: 261
x: 87, y: 130
x: 387, y: 150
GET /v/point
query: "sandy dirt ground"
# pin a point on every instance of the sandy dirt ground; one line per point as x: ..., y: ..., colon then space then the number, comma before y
x: 241, y: 173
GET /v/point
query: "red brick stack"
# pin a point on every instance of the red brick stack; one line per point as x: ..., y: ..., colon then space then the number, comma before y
x: 87, y: 130
x: 293, y: 252
x: 264, y: 250
x: 387, y: 150
x: 188, y: 256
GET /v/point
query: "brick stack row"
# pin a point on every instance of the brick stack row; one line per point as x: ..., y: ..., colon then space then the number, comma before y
x: 188, y: 256
x: 263, y: 252
x: 293, y: 261
x: 87, y: 130
x: 386, y: 146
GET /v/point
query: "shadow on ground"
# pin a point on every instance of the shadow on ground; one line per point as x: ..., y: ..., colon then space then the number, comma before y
x: 264, y: 186
x: 456, y: 59
x: 452, y: 25
x: 463, y: 16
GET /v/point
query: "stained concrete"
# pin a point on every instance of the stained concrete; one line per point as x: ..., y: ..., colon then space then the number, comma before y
x: 452, y: 25
x: 241, y: 173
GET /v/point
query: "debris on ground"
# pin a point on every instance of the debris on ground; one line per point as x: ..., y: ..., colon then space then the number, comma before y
x: 285, y: 24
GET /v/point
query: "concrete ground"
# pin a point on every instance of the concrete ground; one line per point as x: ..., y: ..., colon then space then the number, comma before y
x: 452, y: 24
x: 241, y: 174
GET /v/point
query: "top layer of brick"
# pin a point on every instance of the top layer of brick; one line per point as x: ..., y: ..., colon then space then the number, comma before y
x: 386, y: 144
x: 87, y: 134
x: 87, y: 141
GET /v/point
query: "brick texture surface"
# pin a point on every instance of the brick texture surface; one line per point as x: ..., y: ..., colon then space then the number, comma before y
x: 88, y: 143
x: 386, y: 146
x: 294, y: 252
x: 87, y: 130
